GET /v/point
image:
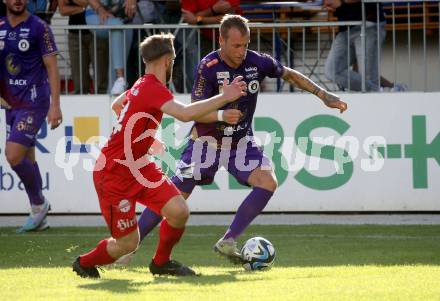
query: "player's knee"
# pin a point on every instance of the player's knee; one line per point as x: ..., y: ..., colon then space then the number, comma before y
x: 267, y: 182
x: 179, y: 216
x: 182, y: 214
x: 13, y: 158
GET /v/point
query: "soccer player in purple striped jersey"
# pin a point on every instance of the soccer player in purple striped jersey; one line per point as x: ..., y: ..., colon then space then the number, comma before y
x: 29, y: 79
x: 230, y: 128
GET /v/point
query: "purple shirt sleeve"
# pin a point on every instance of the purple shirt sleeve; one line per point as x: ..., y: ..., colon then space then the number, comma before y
x: 46, y: 42
x: 271, y: 66
x: 204, y: 86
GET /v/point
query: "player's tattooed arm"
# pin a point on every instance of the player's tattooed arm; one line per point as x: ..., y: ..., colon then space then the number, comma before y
x: 303, y: 82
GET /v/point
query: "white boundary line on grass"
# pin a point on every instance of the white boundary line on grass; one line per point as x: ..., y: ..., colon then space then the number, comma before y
x: 266, y: 219
x: 331, y: 236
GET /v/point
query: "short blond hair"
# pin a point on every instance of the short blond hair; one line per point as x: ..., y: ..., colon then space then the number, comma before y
x: 233, y: 21
x: 155, y: 46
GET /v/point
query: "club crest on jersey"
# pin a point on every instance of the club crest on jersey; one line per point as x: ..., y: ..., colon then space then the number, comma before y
x: 223, y: 75
x: 124, y: 206
x: 23, y: 45
x: 12, y: 36
x: 254, y: 86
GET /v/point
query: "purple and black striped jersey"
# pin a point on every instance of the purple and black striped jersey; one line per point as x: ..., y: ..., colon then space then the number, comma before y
x: 23, y: 75
x: 211, y: 72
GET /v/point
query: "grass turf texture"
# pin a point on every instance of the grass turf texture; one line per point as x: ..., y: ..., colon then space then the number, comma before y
x: 318, y: 262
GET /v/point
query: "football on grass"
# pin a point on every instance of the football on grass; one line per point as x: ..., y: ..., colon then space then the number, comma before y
x: 259, y: 254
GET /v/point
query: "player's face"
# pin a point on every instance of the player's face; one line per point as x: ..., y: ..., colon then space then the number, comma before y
x: 234, y: 47
x: 16, y: 7
x: 170, y: 64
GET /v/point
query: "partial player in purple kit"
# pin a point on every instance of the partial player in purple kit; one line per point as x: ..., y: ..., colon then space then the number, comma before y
x: 29, y: 79
x: 225, y: 138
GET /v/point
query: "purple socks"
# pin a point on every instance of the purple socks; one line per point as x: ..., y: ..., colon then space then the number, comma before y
x: 252, y: 205
x: 147, y: 222
x: 29, y: 174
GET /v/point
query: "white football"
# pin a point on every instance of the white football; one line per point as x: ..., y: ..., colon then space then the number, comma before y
x: 259, y: 254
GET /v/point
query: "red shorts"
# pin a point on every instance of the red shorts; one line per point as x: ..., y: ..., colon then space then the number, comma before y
x: 118, y: 196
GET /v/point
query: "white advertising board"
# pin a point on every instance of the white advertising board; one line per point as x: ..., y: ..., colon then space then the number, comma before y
x: 383, y: 154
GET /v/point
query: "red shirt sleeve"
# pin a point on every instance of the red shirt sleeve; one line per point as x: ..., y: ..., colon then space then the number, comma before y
x: 189, y: 5
x: 159, y: 95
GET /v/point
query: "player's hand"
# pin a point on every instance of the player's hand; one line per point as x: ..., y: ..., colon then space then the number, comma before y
x: 232, y: 116
x: 236, y: 89
x: 332, y: 101
x: 54, y: 116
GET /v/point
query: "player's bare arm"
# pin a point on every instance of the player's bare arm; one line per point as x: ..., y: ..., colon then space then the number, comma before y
x: 301, y: 81
x: 230, y: 116
x: 195, y: 110
x: 54, y: 116
x: 118, y: 103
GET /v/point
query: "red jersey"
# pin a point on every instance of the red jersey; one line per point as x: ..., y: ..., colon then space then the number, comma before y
x: 137, y: 124
x: 195, y: 6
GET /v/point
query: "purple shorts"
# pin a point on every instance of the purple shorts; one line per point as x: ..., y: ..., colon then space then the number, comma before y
x: 22, y: 125
x: 199, y: 163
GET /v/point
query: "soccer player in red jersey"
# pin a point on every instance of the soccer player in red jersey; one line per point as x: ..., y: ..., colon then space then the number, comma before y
x: 123, y: 174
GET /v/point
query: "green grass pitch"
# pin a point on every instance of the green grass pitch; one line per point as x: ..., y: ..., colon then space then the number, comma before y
x: 314, y: 262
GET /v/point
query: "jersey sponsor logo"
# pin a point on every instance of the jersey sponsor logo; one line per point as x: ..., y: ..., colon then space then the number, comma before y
x: 252, y: 75
x: 200, y: 86
x: 251, y: 69
x: 12, y: 36
x: 126, y: 223
x: 230, y: 130
x: 254, y: 86
x: 23, y: 126
x: 223, y: 75
x: 23, y: 35
x: 23, y: 45
x: 10, y: 66
x: 212, y: 63
x: 2, y: 33
x: 124, y: 206
x: 17, y: 82
x: 25, y: 29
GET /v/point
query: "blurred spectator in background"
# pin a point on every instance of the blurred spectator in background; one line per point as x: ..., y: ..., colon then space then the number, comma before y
x: 80, y: 60
x: 348, y: 43
x: 114, y: 12
x: 43, y: 9
x: 203, y: 12
x: 146, y: 12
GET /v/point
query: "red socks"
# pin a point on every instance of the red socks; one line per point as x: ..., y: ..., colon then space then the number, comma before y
x: 97, y: 257
x: 168, y: 237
